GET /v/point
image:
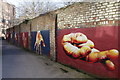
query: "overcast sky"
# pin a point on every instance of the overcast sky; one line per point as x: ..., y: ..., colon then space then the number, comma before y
x: 16, y: 2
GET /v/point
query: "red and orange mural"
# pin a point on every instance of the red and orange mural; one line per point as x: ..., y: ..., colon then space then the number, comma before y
x: 24, y: 39
x: 93, y: 50
x: 78, y: 46
x: 39, y: 42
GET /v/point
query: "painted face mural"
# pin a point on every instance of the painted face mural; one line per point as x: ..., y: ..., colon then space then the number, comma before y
x: 39, y: 42
x: 78, y: 46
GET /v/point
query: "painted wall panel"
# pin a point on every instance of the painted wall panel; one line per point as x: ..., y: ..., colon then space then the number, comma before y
x: 33, y: 39
x: 46, y: 38
x: 24, y: 40
x: 45, y: 50
x: 16, y: 38
x: 104, y: 38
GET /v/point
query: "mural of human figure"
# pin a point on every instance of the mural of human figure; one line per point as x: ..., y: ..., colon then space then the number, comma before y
x: 39, y: 42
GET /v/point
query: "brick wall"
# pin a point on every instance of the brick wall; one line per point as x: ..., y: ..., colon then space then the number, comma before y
x: 46, y: 22
x: 42, y: 22
x: 86, y: 14
x: 16, y: 29
x: 50, y: 22
x: 39, y: 23
x: 11, y: 30
x: 25, y: 27
x: 78, y: 15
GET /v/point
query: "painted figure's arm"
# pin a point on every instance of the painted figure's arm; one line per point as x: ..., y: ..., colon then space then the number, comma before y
x: 34, y: 45
x: 43, y: 44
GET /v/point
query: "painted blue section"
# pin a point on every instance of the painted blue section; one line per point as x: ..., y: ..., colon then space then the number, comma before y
x: 46, y: 37
x: 33, y: 39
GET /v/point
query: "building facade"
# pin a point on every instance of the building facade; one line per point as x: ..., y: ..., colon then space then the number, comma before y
x: 7, y: 15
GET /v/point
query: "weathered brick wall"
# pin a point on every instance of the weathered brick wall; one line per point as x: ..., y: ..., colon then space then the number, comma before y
x: 16, y: 29
x: 29, y: 34
x: 25, y: 27
x: 41, y: 22
x: 78, y: 15
x: 11, y: 30
x: 46, y: 22
x: 8, y: 30
x: 86, y: 14
x: 50, y: 23
x: 37, y: 24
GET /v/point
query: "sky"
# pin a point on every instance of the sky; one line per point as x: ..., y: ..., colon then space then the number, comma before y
x: 16, y: 2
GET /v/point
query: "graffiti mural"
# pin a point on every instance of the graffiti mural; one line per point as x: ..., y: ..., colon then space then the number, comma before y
x: 33, y: 39
x: 24, y: 39
x: 40, y: 42
x: 78, y: 46
x: 46, y: 36
x: 89, y: 49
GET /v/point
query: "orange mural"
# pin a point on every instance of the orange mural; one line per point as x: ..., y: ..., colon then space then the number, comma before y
x: 39, y: 42
x: 78, y: 46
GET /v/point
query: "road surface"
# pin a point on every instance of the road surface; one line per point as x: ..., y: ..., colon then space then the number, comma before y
x: 18, y: 63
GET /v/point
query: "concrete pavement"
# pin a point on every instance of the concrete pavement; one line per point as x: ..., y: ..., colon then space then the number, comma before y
x: 18, y: 63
